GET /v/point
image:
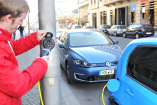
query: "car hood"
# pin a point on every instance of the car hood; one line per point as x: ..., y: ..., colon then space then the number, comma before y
x: 98, y: 54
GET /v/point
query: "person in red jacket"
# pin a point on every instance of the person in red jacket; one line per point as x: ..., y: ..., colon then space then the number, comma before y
x: 14, y: 83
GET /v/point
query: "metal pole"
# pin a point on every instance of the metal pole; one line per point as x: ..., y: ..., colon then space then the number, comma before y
x: 50, y: 83
x: 28, y: 25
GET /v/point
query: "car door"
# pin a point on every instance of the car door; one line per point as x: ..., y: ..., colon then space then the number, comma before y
x: 140, y: 81
x: 129, y: 29
x: 114, y: 29
x: 110, y: 30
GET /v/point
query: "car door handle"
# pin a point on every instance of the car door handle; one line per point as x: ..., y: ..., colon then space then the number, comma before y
x: 129, y: 92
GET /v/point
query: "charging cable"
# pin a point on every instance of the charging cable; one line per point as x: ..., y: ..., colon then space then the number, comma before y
x: 41, y: 99
x: 103, y: 94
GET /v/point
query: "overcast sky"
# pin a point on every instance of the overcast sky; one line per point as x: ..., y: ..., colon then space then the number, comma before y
x: 33, y: 4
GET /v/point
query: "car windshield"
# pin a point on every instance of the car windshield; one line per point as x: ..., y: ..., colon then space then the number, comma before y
x: 88, y: 39
x: 147, y: 27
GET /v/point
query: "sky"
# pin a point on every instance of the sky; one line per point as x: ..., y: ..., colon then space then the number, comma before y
x: 33, y: 4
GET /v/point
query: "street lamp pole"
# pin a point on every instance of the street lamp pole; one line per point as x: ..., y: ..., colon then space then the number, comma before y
x: 50, y: 83
x: 28, y: 23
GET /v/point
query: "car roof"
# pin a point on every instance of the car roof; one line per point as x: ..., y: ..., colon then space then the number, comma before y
x: 147, y: 40
x: 140, y: 24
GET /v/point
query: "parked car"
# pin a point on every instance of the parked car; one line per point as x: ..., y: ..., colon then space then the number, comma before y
x: 88, y: 55
x: 136, y: 75
x: 87, y: 27
x: 58, y: 32
x: 75, y: 27
x: 138, y: 30
x: 116, y: 30
x: 104, y: 28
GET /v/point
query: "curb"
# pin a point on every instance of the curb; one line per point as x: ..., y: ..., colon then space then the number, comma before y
x: 68, y: 97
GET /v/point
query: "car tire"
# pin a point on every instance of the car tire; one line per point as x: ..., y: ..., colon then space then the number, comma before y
x: 137, y: 36
x: 115, y: 34
x: 124, y: 35
x: 68, y: 74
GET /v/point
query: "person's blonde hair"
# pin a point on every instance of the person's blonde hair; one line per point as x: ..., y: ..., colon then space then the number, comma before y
x: 13, y: 7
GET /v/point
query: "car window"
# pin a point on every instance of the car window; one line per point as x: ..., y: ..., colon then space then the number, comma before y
x: 66, y: 40
x: 113, y: 27
x: 137, y: 27
x: 142, y: 66
x: 121, y: 27
x: 147, y: 26
x: 108, y: 26
x: 130, y: 27
x: 62, y: 38
x: 89, y: 39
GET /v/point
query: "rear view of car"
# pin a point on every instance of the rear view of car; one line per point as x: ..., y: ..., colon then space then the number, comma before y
x: 116, y: 30
x: 138, y: 30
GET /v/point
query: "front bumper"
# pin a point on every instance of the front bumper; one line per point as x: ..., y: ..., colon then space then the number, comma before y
x: 91, y: 75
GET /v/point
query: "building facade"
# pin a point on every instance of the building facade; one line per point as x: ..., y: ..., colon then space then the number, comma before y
x: 122, y: 12
x: 83, y: 11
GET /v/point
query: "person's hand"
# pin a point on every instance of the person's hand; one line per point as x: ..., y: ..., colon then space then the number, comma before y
x: 46, y: 58
x: 41, y: 34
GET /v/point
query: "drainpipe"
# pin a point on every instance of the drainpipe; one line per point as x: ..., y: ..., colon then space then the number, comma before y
x: 50, y: 83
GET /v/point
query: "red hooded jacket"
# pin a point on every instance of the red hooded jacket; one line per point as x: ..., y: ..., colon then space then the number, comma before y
x: 13, y: 82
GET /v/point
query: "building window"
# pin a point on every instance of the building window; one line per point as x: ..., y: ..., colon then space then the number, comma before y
x: 142, y: 66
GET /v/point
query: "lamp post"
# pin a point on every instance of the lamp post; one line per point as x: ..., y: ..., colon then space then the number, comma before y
x: 50, y: 83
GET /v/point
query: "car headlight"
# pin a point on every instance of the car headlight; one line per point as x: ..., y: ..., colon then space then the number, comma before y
x: 81, y: 63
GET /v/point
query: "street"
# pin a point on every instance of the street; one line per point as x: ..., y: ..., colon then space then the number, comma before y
x: 77, y: 93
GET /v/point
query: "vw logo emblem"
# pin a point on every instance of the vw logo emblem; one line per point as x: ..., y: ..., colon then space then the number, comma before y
x: 108, y: 63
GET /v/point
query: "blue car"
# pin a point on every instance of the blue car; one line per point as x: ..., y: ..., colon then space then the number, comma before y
x: 88, y: 56
x: 136, y: 75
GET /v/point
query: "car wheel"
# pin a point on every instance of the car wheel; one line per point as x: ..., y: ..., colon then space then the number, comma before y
x: 124, y: 35
x: 115, y: 34
x: 137, y: 36
x: 68, y: 74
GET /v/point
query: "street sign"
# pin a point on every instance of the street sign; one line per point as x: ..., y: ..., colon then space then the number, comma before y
x: 133, y: 7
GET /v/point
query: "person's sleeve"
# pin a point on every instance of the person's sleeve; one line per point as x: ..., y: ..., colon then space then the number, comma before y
x: 15, y: 83
x: 24, y: 44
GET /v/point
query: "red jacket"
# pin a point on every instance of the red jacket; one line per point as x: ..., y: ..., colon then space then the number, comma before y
x: 13, y: 82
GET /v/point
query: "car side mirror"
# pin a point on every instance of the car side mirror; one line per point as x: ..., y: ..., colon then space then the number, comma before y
x: 115, y: 41
x: 62, y: 45
x: 113, y: 85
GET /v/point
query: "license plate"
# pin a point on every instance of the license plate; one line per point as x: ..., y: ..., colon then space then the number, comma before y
x: 106, y: 72
x: 148, y: 33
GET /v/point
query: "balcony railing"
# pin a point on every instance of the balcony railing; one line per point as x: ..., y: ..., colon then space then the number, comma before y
x: 108, y: 2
